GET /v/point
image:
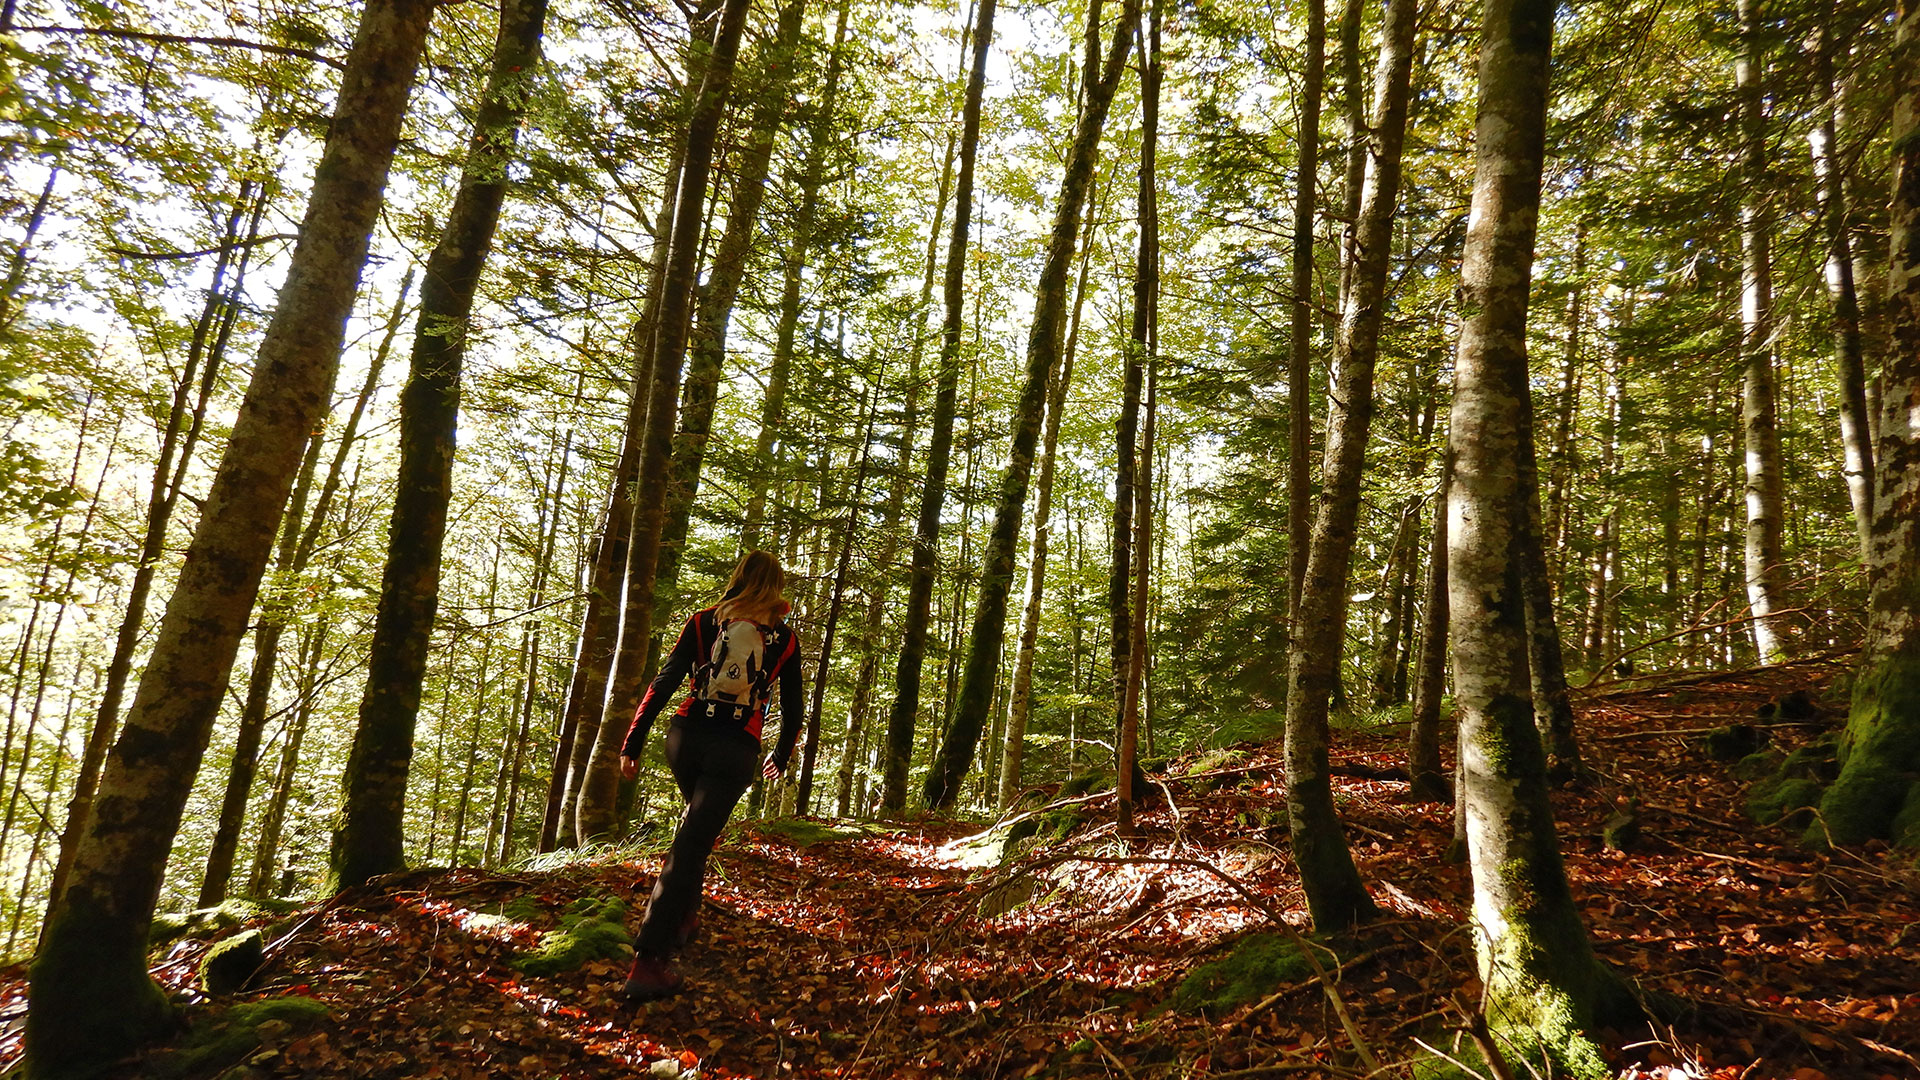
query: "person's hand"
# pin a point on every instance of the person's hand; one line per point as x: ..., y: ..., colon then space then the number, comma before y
x: 629, y: 767
x: 772, y: 769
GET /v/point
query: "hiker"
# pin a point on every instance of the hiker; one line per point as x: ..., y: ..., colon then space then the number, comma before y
x: 734, y: 651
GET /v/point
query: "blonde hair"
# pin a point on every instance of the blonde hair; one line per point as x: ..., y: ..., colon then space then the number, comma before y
x: 754, y: 590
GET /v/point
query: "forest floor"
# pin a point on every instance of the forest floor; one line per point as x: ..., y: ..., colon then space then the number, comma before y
x: 833, y: 951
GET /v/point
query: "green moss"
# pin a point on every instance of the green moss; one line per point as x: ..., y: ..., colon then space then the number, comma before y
x: 93, y: 1001
x: 204, y: 922
x: 592, y: 928
x: 1906, y: 823
x: 1086, y: 783
x: 1258, y: 965
x: 1758, y: 765
x: 1879, y: 755
x: 223, y: 1040
x: 1733, y: 742
x: 1777, y: 800
x: 231, y: 962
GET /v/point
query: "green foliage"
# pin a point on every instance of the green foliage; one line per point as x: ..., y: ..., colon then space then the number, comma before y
x: 804, y: 832
x: 1258, y: 965
x: 591, y: 928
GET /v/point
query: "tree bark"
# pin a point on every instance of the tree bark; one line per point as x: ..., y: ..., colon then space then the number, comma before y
x: 1020, y: 696
x: 594, y: 814
x: 372, y: 835
x: 1143, y: 337
x: 1759, y: 412
x: 1880, y: 749
x: 1300, y: 320
x: 898, y: 751
x: 1428, y: 780
x: 1848, y: 354
x: 1544, y: 985
x: 91, y: 998
x: 1335, y: 895
x: 1044, y: 342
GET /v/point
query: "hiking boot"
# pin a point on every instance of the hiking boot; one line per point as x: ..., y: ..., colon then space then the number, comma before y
x: 689, y: 931
x: 651, y: 979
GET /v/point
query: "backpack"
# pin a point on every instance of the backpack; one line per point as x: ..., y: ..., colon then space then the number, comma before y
x: 733, y: 683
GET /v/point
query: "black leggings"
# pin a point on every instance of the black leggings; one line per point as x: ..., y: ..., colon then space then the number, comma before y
x: 713, y: 769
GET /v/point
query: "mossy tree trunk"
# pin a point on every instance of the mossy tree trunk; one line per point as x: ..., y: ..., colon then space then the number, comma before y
x: 90, y: 996
x: 372, y: 835
x: 1429, y: 782
x: 1335, y: 894
x: 897, y: 753
x: 1877, y: 793
x: 1300, y: 316
x: 1044, y: 346
x: 1544, y: 985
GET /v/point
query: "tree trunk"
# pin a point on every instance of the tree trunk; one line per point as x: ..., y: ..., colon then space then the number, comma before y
x: 707, y: 347
x: 372, y: 835
x: 1043, y: 360
x: 178, y: 439
x: 809, y: 754
x: 821, y: 135
x: 1880, y: 749
x: 594, y: 814
x: 1335, y: 894
x: 1144, y: 340
x: 1429, y: 781
x: 1300, y: 325
x: 1561, y: 463
x: 1765, y: 572
x: 91, y: 998
x: 1848, y: 356
x: 898, y: 752
x: 1544, y: 986
x: 1020, y: 696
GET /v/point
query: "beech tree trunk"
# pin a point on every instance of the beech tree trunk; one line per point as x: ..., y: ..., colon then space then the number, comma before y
x: 91, y: 998
x: 898, y: 752
x: 594, y: 814
x: 1848, y: 354
x: 1044, y: 344
x: 1759, y: 412
x: 1335, y: 895
x: 1300, y: 320
x: 372, y: 835
x: 1880, y: 749
x: 1544, y: 985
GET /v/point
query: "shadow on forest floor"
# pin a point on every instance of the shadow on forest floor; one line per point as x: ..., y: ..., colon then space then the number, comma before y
x: 869, y: 956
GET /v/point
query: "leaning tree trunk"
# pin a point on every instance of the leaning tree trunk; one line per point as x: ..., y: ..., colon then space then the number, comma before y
x: 1043, y: 361
x: 1848, y: 354
x: 372, y: 835
x: 1759, y: 411
x: 594, y: 814
x: 1335, y: 895
x: 91, y: 998
x: 1020, y: 695
x: 1544, y: 985
x: 1880, y: 750
x: 898, y: 751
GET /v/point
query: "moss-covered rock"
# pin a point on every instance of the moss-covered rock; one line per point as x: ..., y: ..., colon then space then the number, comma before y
x: 1086, y: 783
x: 1759, y: 765
x: 592, y: 928
x: 171, y: 926
x: 805, y: 832
x: 1257, y: 965
x: 226, y: 1039
x: 231, y: 962
x: 1783, y: 800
